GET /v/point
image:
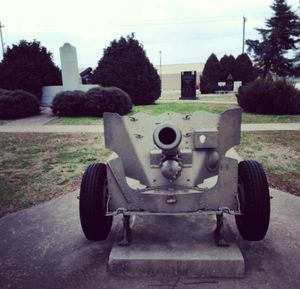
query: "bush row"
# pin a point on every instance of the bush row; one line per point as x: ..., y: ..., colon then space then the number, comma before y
x: 265, y: 96
x: 92, y: 103
x: 17, y: 104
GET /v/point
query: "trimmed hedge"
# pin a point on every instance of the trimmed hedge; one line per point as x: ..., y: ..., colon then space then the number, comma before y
x: 69, y: 103
x: 93, y: 103
x: 265, y: 96
x: 18, y: 104
x: 109, y: 99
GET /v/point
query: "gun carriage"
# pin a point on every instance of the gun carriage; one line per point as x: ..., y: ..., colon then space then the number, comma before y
x: 174, y: 164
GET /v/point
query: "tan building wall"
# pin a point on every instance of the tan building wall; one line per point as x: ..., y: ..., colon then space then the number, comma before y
x: 171, y: 82
x: 171, y: 74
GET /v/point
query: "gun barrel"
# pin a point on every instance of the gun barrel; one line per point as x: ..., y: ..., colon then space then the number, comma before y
x: 167, y: 137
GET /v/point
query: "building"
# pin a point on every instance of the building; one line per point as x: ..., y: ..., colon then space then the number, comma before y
x: 171, y: 74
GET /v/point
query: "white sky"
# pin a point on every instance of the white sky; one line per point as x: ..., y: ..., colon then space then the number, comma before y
x: 186, y: 31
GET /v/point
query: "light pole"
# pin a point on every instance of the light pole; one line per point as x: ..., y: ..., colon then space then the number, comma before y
x: 160, y: 64
x: 244, y: 27
x: 1, y: 26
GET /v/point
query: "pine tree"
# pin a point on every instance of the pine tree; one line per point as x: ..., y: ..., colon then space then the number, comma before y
x: 244, y: 70
x: 297, y: 65
x: 228, y: 66
x: 281, y: 36
x: 211, y: 75
x: 125, y: 65
x: 28, y: 66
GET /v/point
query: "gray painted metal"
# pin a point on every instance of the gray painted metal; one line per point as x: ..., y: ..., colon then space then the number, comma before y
x: 206, y: 180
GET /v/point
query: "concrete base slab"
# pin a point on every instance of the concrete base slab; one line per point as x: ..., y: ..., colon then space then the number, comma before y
x: 176, y: 246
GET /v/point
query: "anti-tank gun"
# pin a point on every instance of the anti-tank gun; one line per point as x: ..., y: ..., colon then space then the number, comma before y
x: 173, y: 164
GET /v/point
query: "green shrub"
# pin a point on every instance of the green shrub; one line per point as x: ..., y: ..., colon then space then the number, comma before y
x: 69, y: 103
x: 109, y: 99
x: 212, y: 73
x: 93, y: 103
x: 268, y: 97
x: 17, y: 104
x: 28, y: 66
x: 125, y: 65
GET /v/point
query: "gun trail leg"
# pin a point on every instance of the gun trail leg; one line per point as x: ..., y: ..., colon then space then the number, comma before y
x: 219, y: 232
x: 127, y: 233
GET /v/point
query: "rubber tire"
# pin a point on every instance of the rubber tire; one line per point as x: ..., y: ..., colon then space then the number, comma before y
x: 254, y: 199
x: 92, y: 203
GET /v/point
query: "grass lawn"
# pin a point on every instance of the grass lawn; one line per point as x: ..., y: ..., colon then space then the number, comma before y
x: 82, y: 120
x: 2, y: 122
x: 176, y: 94
x: 217, y: 97
x: 39, y: 167
x: 279, y: 153
x: 186, y: 108
x: 183, y: 108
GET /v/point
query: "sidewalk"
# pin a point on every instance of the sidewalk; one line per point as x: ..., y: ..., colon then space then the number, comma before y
x: 37, y: 120
x: 37, y: 128
x: 196, y: 101
x: 36, y: 124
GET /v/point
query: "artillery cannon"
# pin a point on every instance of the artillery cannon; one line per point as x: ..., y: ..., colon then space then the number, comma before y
x: 173, y: 164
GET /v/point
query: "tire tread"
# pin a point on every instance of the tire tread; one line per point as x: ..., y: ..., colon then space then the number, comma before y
x: 254, y: 221
x: 95, y: 225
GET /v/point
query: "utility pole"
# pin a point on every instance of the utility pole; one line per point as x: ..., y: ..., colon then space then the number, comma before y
x: 160, y: 64
x: 1, y: 26
x: 244, y: 26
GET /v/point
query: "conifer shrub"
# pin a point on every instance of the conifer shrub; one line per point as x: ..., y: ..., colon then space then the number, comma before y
x: 125, y: 65
x: 28, y: 66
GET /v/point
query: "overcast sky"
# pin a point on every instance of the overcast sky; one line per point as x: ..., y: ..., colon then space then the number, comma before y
x: 186, y: 31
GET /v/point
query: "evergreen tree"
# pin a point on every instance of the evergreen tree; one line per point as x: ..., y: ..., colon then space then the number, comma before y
x: 211, y: 75
x: 125, y: 65
x: 244, y: 70
x: 281, y: 36
x: 228, y: 66
x: 297, y: 64
x: 28, y: 66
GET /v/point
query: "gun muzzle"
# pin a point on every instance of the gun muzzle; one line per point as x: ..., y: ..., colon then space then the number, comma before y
x: 167, y: 137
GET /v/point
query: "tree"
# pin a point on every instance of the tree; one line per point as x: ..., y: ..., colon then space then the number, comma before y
x: 297, y: 64
x: 281, y: 36
x: 28, y: 66
x: 212, y: 73
x: 244, y: 70
x: 125, y: 65
x: 228, y: 66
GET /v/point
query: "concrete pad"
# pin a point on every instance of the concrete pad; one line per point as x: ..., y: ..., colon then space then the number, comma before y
x: 44, y: 247
x: 176, y: 246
